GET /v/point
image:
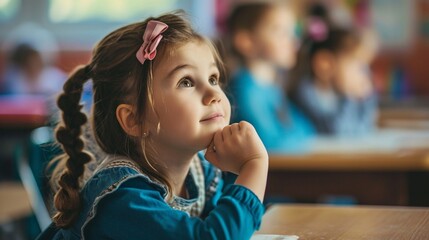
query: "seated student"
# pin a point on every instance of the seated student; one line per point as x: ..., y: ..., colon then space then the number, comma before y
x: 262, y: 37
x: 26, y: 73
x: 331, y: 81
x: 162, y: 119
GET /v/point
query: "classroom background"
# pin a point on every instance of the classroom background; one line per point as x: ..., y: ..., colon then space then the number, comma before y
x: 388, y: 167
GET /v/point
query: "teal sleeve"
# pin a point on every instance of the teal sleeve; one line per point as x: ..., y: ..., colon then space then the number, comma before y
x: 215, y: 183
x: 289, y: 136
x: 135, y: 211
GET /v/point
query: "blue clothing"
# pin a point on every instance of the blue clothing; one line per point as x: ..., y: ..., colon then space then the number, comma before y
x: 49, y: 83
x: 334, y: 114
x: 121, y: 202
x: 281, y: 127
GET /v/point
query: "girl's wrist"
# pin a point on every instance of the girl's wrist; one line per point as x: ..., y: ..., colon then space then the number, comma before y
x: 257, y: 164
x: 253, y: 175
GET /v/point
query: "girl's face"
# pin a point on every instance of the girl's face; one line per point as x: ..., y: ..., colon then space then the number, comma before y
x: 351, y: 67
x: 189, y: 105
x: 274, y: 37
x: 353, y: 76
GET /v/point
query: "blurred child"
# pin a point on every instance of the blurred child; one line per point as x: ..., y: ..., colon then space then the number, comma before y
x: 158, y: 113
x: 27, y: 73
x: 262, y: 37
x: 331, y: 81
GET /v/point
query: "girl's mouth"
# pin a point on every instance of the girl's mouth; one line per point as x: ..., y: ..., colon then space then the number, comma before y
x: 213, y: 116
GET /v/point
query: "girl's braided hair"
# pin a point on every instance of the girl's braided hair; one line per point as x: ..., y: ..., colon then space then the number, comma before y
x: 118, y: 77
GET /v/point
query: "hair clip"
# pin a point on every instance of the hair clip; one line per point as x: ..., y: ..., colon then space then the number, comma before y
x: 317, y: 29
x: 151, y: 38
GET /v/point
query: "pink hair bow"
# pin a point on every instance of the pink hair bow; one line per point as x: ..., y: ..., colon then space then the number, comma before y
x: 317, y: 29
x: 151, y: 38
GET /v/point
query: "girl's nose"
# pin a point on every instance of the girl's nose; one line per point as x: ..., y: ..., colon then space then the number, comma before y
x: 212, y: 96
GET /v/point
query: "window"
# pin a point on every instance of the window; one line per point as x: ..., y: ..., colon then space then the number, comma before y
x: 107, y: 11
x: 79, y: 24
x: 8, y: 9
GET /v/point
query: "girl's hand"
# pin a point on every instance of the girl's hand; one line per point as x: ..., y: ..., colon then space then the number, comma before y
x: 237, y: 148
x: 356, y: 82
x: 236, y: 145
x: 356, y: 89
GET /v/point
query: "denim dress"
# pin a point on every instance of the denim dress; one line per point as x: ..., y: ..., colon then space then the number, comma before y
x: 281, y: 126
x: 121, y: 202
x: 335, y: 114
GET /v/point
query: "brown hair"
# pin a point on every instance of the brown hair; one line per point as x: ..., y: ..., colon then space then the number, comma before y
x: 337, y: 41
x: 246, y: 17
x: 118, y: 77
x: 21, y: 54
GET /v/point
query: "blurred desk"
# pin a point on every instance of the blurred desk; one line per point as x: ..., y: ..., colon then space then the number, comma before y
x: 19, y: 112
x: 405, y: 117
x: 326, y: 222
x: 19, y: 115
x: 390, y: 167
x: 14, y: 202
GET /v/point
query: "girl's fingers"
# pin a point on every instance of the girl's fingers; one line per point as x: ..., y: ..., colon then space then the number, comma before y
x: 211, y: 156
x: 242, y: 124
x: 217, y: 140
x: 226, y: 132
x: 246, y: 127
x: 235, y: 128
x: 211, y: 153
x: 211, y: 147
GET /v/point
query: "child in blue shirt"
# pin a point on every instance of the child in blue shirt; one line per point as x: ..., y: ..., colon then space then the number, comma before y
x: 331, y: 82
x: 262, y: 38
x: 158, y: 103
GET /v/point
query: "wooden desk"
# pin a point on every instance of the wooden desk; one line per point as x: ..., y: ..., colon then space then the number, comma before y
x: 390, y: 169
x: 14, y: 202
x: 404, y: 117
x: 326, y: 222
x: 406, y: 160
x: 19, y: 115
x: 19, y: 112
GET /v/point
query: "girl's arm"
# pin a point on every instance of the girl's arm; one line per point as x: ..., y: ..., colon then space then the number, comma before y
x: 238, y: 149
x: 138, y: 211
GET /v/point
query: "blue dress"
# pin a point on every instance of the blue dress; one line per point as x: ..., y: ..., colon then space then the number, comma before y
x: 334, y: 114
x: 280, y: 125
x: 121, y: 202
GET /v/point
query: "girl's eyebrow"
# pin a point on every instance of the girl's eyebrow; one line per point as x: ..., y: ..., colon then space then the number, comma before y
x: 182, y: 66
x: 179, y: 67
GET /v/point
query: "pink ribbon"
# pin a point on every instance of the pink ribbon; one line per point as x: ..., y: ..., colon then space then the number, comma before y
x: 317, y: 29
x: 151, y: 38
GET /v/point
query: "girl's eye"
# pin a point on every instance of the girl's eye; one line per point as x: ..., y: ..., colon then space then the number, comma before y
x: 214, y: 80
x: 185, y: 83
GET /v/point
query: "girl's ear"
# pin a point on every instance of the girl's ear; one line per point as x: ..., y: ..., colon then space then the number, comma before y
x: 323, y: 64
x: 126, y: 118
x: 243, y: 42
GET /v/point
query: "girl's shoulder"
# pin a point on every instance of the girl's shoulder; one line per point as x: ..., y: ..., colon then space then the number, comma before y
x: 112, y: 172
x: 115, y: 171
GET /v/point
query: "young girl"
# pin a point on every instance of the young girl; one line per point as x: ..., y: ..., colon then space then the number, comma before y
x: 262, y: 36
x: 331, y: 83
x: 157, y: 103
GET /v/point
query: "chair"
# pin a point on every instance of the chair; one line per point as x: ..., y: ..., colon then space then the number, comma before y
x: 31, y: 164
x: 14, y: 208
x: 30, y: 184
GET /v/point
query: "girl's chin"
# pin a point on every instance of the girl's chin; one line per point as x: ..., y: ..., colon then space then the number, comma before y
x: 206, y: 141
